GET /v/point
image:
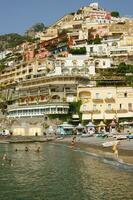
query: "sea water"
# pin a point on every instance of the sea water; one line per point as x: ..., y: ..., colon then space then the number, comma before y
x: 60, y: 173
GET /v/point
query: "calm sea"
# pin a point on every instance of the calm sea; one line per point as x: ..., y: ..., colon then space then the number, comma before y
x: 60, y: 173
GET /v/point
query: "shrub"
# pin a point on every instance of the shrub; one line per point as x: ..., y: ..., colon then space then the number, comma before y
x: 80, y: 51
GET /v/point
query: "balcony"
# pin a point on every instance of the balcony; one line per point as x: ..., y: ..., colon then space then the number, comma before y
x: 70, y: 91
x: 112, y: 111
x: 110, y: 100
x: 38, y: 110
x: 97, y: 100
x: 94, y: 112
x: 122, y: 111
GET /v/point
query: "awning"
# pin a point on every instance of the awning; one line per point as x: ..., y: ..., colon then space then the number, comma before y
x: 86, y: 117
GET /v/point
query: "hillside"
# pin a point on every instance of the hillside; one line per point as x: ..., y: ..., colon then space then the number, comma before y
x: 11, y: 40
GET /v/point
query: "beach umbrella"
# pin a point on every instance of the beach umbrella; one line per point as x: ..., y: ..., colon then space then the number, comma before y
x: 90, y: 125
x: 101, y: 124
x: 65, y: 125
x: 113, y: 124
x: 80, y: 126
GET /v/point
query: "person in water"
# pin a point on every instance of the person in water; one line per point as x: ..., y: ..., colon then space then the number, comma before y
x: 10, y: 162
x: 5, y: 157
x: 38, y: 150
x: 26, y: 149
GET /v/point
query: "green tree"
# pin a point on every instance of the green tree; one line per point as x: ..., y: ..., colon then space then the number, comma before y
x: 115, y: 14
x: 80, y: 51
x: 123, y: 68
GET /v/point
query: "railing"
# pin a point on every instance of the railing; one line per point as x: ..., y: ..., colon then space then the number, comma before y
x: 110, y: 100
x: 94, y: 112
x: 46, y: 104
x: 71, y: 91
x: 112, y: 111
x: 97, y: 100
x: 122, y: 111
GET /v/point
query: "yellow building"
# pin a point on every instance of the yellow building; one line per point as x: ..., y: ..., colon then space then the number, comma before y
x: 106, y: 103
x: 126, y: 41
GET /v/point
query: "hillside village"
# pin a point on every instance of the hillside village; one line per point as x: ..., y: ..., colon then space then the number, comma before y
x: 78, y: 69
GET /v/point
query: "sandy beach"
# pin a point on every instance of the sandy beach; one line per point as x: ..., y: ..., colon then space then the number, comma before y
x: 94, y: 145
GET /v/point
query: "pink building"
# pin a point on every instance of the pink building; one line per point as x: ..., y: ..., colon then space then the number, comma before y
x: 43, y: 53
x: 29, y: 52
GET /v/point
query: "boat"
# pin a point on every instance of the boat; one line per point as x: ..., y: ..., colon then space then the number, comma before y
x: 130, y: 136
x: 120, y: 137
x: 110, y: 143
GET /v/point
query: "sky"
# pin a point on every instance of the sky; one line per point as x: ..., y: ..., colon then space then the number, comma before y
x: 16, y: 16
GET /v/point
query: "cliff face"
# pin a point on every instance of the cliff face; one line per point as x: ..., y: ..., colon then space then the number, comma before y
x: 38, y: 27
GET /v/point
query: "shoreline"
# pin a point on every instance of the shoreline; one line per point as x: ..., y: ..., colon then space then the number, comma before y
x: 125, y: 153
x: 23, y: 139
x: 91, y: 145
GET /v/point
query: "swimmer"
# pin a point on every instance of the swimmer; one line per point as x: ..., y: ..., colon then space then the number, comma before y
x: 10, y: 162
x: 16, y: 150
x: 4, y: 157
x: 38, y: 150
x: 26, y: 149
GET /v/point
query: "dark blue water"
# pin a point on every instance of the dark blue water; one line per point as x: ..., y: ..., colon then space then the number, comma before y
x: 60, y: 173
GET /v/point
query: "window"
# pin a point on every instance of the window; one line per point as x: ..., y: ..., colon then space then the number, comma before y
x: 85, y: 107
x: 120, y: 106
x: 109, y: 107
x: 97, y: 95
x: 30, y: 70
x: 125, y: 94
x: 53, y: 90
x: 104, y: 63
x: 91, y: 49
x: 109, y: 95
x: 94, y: 106
x: 130, y: 107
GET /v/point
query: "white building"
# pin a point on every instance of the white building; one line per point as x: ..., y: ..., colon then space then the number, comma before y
x: 76, y: 64
x: 4, y: 53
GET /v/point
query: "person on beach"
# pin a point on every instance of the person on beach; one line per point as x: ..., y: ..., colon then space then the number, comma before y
x: 115, y: 149
x: 73, y: 140
x: 129, y: 133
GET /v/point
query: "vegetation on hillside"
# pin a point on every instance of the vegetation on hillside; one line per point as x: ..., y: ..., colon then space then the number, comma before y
x: 79, y: 51
x: 12, y: 40
x: 115, y: 14
x: 96, y: 40
x: 123, y: 68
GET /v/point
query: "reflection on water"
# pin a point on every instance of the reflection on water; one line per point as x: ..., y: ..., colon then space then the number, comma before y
x: 60, y: 173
